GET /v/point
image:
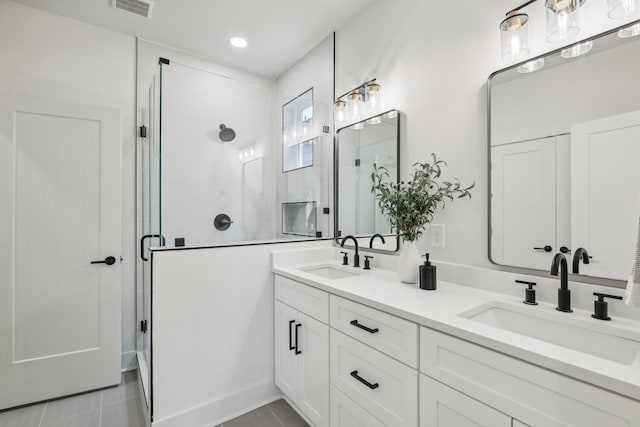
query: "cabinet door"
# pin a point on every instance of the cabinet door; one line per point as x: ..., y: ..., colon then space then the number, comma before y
x: 313, y: 345
x: 441, y: 406
x: 286, y: 360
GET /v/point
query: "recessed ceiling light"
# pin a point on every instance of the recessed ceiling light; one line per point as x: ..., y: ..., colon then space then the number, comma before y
x: 238, y: 42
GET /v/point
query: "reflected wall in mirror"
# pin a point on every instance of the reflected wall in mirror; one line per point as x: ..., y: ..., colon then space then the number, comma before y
x: 359, y: 146
x: 564, y: 146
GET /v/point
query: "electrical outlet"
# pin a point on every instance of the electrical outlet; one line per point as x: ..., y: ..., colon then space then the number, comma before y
x: 437, y: 235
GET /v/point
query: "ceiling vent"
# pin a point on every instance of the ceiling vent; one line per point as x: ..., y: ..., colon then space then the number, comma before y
x: 137, y: 7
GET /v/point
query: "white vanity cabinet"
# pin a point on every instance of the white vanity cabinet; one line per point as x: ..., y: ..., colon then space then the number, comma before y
x: 302, y: 348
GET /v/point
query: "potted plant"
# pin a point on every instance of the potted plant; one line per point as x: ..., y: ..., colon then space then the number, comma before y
x: 409, y: 206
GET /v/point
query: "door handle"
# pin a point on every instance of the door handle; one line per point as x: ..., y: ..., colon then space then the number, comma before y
x: 355, y: 375
x: 163, y: 242
x: 291, y: 347
x: 110, y: 260
x: 296, y: 347
x: 358, y: 325
x: 547, y: 248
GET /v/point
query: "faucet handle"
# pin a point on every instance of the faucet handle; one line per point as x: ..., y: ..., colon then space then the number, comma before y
x: 345, y: 258
x: 529, y: 293
x: 600, y: 306
x: 367, y: 264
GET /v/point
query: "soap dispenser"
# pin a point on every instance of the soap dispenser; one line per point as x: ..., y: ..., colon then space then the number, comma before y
x: 427, y: 275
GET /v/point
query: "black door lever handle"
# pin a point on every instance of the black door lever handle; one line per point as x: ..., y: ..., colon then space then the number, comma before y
x: 547, y: 248
x: 110, y: 260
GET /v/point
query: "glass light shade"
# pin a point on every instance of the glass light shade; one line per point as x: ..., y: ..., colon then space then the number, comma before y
x: 373, y: 96
x: 531, y: 66
x: 341, y: 111
x: 356, y: 104
x: 374, y: 120
x: 562, y: 19
x: 631, y: 31
x: 358, y: 126
x: 621, y: 8
x: 391, y: 114
x: 513, y: 34
x: 577, y: 50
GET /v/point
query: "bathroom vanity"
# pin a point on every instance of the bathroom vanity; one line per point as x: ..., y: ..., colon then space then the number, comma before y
x: 359, y: 348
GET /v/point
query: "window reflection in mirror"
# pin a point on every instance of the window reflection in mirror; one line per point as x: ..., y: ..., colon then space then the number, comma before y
x: 297, y: 130
x: 564, y: 149
x: 359, y: 147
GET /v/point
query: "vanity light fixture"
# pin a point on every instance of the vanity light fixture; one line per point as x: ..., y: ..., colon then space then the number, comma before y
x: 622, y: 8
x: 631, y: 31
x: 358, y: 126
x: 562, y: 24
x: 238, y: 42
x: 391, y: 114
x: 531, y: 66
x: 374, y: 120
x: 577, y: 50
x: 350, y: 106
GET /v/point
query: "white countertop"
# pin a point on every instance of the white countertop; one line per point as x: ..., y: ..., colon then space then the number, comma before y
x: 439, y: 310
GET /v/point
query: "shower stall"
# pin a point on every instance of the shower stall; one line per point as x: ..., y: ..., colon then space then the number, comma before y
x: 229, y: 159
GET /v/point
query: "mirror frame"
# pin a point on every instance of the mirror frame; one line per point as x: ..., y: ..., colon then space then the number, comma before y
x: 574, y: 277
x: 336, y: 184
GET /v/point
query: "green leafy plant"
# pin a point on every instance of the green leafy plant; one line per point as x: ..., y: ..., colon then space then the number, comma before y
x: 410, y: 206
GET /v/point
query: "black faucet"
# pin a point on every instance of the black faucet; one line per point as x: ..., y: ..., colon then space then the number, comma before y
x: 564, y: 294
x: 580, y: 253
x: 356, y: 257
x: 373, y: 238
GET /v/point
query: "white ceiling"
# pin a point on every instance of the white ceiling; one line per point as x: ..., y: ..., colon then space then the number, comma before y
x: 279, y: 32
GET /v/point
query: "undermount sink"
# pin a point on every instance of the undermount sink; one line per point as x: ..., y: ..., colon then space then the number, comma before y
x: 600, y: 340
x: 329, y: 272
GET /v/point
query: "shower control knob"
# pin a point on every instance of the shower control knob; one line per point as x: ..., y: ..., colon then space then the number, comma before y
x: 110, y: 260
x: 547, y: 248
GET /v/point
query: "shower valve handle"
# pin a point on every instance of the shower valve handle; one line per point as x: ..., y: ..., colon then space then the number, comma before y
x: 110, y: 260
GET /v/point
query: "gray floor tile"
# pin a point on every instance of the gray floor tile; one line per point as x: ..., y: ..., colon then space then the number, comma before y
x: 74, y: 405
x: 29, y: 416
x: 123, y: 414
x: 128, y: 389
x: 86, y: 419
x: 261, y: 417
x: 286, y: 414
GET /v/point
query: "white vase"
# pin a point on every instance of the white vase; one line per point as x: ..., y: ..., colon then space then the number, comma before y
x: 409, y: 262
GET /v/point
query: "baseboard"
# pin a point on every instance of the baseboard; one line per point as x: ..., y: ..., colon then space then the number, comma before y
x: 225, y: 408
x: 128, y: 361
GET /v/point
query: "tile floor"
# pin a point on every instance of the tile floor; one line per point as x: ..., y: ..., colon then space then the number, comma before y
x: 275, y: 414
x: 112, y: 407
x: 120, y: 407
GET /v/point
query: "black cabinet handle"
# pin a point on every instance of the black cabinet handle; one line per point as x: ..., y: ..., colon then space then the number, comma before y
x: 296, y: 347
x: 547, y: 248
x: 565, y: 250
x: 110, y: 260
x: 291, y: 347
x: 355, y: 375
x: 358, y: 325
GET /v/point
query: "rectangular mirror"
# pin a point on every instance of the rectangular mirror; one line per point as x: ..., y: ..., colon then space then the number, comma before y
x: 564, y: 146
x: 359, y: 146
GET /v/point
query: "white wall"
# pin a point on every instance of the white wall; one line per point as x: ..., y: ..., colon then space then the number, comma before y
x: 48, y: 56
x: 432, y: 60
x: 213, y: 332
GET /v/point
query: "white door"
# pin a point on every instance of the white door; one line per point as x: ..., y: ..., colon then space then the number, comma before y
x: 605, y: 186
x: 313, y: 348
x: 441, y: 406
x: 59, y: 210
x: 523, y: 203
x: 287, y: 362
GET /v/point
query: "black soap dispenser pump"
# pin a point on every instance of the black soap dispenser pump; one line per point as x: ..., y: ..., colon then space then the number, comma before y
x: 428, y: 275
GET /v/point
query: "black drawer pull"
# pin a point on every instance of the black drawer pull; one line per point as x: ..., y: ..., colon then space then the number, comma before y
x: 355, y: 375
x: 358, y: 325
x: 291, y: 322
x: 296, y: 347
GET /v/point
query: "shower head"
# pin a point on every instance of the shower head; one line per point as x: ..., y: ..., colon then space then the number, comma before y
x: 226, y: 134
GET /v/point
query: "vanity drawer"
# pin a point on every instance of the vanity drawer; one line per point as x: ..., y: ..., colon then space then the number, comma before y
x: 394, y: 336
x: 347, y: 413
x: 309, y: 300
x: 527, y: 392
x: 381, y: 385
